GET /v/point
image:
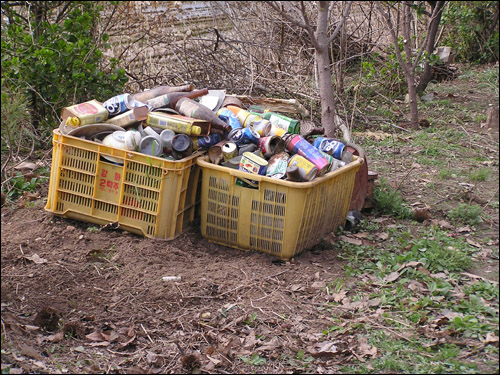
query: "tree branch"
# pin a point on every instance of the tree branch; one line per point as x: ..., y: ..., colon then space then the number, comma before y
x: 339, y: 26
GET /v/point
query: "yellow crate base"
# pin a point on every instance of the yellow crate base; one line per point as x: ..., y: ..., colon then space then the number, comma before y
x: 146, y: 195
x: 281, y: 218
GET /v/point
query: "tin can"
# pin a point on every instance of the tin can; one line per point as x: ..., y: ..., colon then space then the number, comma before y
x: 242, y: 136
x: 150, y: 145
x: 296, y: 144
x: 182, y: 146
x: 277, y: 165
x: 336, y: 164
x: 330, y: 146
x: 229, y: 150
x: 229, y: 118
x: 307, y: 170
x: 271, y: 145
x: 251, y: 163
x: 233, y: 163
x: 288, y: 124
x: 166, y: 137
x: 275, y: 130
x: 205, y: 142
x: 117, y: 104
x: 215, y: 152
x: 251, y: 147
x: 84, y: 113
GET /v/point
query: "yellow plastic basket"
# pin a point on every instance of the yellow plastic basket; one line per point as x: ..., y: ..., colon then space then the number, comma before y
x: 279, y: 217
x: 146, y: 195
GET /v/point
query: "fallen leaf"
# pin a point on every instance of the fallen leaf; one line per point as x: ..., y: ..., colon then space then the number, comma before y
x: 337, y: 297
x: 296, y: 288
x: 318, y: 284
x: 491, y: 339
x: 350, y: 240
x: 472, y: 243
x: 26, y: 165
x: 35, y: 258
x: 410, y: 264
x: 464, y: 229
x: 213, y: 360
x: 365, y: 349
x: 361, y: 235
x: 393, y: 276
x: 382, y: 236
x: 95, y: 336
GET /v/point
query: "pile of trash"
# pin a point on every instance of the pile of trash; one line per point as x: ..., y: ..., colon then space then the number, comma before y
x: 173, y: 122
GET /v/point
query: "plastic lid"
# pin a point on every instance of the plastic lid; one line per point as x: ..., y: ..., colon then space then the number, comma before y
x: 195, y: 130
x: 74, y: 121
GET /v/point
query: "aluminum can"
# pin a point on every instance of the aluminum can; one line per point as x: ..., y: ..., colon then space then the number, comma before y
x: 271, y: 145
x: 330, y: 146
x: 307, y: 170
x: 117, y: 104
x: 229, y: 150
x: 296, y: 144
x: 242, y: 136
x: 277, y: 165
x: 205, y: 142
x: 229, y: 118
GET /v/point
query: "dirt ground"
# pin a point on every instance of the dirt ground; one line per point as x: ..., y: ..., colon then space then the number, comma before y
x: 78, y: 298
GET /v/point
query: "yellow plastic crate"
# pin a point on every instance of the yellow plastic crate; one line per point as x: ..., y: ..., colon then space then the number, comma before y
x: 281, y: 218
x: 146, y: 195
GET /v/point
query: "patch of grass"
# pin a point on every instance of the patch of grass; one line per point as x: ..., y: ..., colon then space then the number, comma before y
x: 465, y: 213
x: 480, y: 175
x: 446, y: 174
x: 388, y: 201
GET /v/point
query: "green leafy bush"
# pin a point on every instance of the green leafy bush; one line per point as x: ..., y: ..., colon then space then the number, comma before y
x: 472, y: 30
x: 52, y: 52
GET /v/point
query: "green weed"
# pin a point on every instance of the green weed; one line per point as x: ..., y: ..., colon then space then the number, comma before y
x: 465, y: 213
x: 480, y: 175
x: 388, y: 201
x: 255, y: 360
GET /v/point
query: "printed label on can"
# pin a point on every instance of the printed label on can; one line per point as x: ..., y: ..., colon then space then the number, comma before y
x: 277, y: 166
x: 307, y: 170
x: 279, y: 122
x: 329, y: 146
x: 251, y: 163
x: 117, y: 104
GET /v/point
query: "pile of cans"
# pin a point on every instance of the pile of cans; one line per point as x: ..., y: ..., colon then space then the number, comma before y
x: 169, y: 122
x: 267, y: 143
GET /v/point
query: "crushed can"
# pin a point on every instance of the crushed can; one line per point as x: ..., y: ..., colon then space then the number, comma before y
x: 277, y: 165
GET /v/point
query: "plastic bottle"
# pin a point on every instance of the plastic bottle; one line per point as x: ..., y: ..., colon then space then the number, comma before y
x: 170, y: 100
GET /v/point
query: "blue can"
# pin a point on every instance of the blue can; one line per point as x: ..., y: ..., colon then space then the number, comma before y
x: 243, y: 136
x: 117, y: 104
x: 330, y: 146
x: 206, y: 142
x: 229, y: 118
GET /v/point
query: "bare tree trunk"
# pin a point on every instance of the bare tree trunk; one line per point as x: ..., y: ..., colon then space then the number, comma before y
x: 321, y: 39
x: 437, y: 11
x: 328, y: 108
